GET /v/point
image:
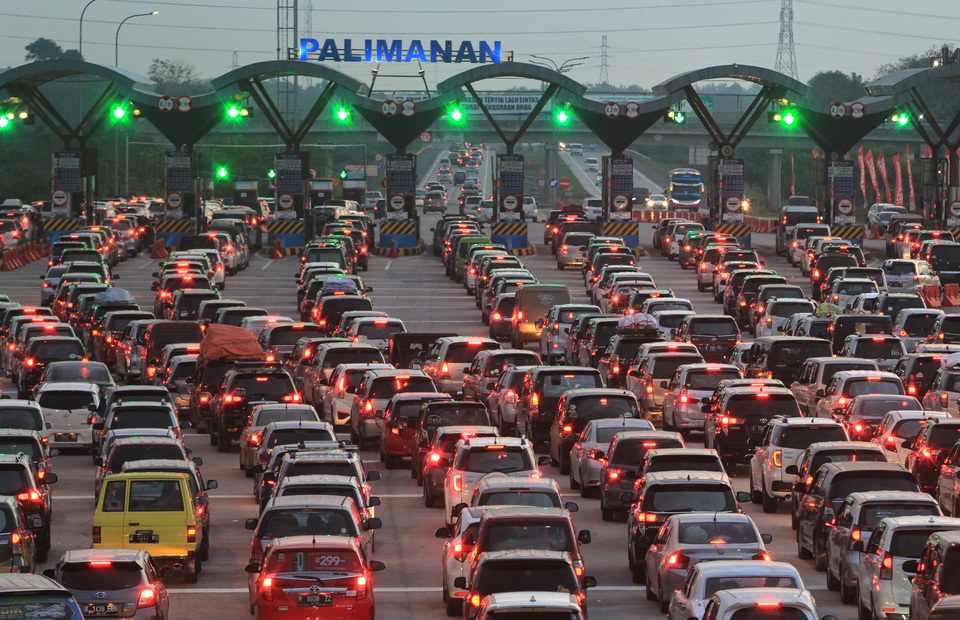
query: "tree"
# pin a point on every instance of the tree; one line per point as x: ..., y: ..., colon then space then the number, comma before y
x: 174, y: 77
x: 43, y: 49
x: 836, y: 86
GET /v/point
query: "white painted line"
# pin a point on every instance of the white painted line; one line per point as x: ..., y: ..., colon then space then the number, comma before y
x: 401, y: 496
x: 241, y: 496
x: 142, y: 266
x: 267, y: 266
x: 399, y: 590
x: 389, y: 265
x: 208, y: 591
x: 73, y: 497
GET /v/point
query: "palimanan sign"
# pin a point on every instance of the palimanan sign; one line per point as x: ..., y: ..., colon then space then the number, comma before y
x: 382, y: 50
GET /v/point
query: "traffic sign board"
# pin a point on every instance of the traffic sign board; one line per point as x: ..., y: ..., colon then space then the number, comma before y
x: 844, y: 206
x: 944, y: 193
x: 388, y: 108
x: 554, y: 182
x: 632, y: 109
x: 408, y: 108
x: 184, y: 103
x: 378, y: 157
x: 955, y: 208
x: 60, y: 197
x: 510, y: 202
x: 620, y: 202
x: 732, y: 204
x: 165, y: 103
x: 285, y: 201
x: 397, y: 202
x: 857, y: 110
x: 611, y: 109
x: 564, y: 183
x: 174, y: 200
x: 838, y: 110
x: 425, y: 136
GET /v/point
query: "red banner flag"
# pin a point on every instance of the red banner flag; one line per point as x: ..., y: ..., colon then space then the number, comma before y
x: 926, y: 152
x: 898, y: 181
x: 863, y: 176
x: 882, y: 167
x: 913, y: 199
x: 872, y: 169
x: 793, y: 177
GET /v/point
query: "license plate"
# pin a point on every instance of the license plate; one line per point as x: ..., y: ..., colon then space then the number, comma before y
x: 756, y: 430
x: 65, y: 437
x: 101, y: 609
x: 315, y: 600
x: 146, y: 536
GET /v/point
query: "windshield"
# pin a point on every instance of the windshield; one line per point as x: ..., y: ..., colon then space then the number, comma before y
x: 81, y: 373
x: 13, y: 417
x: 664, y: 367
x: 717, y: 532
x: 65, y: 399
x: 689, y: 498
x: 521, y: 497
x: 633, y: 451
x: 943, y: 435
x: 683, y: 462
x: 101, y: 575
x: 708, y: 379
x: 495, y: 458
x: 713, y: 327
x: 786, y: 309
x: 945, y: 257
x: 871, y: 514
x: 871, y: 481
x: 535, y: 535
x: 296, y: 435
x: 800, y: 437
x: 304, y: 521
x: 271, y: 387
x: 521, y: 575
x: 594, y: 408
x: 759, y: 406
x: 865, y: 386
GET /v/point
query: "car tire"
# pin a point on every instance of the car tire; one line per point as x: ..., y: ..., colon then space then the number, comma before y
x: 863, y: 612
x: 770, y: 502
x: 833, y: 584
x: 383, y: 457
x: 213, y: 436
x: 848, y: 594
x: 648, y: 588
x: 605, y: 513
x: 794, y: 524
x: 427, y: 498
x: 701, y: 288
x: 190, y: 574
x: 756, y: 496
x: 574, y: 485
x: 819, y: 556
x: 223, y: 440
x: 390, y: 461
x: 664, y: 601
x: 564, y: 465
x: 560, y: 266
x: 454, y: 606
x: 205, y: 552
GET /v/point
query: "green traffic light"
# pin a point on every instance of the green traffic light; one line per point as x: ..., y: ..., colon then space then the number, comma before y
x: 119, y: 112
x: 562, y: 117
x: 222, y: 172
x: 789, y: 118
x: 343, y: 174
x: 272, y: 173
x: 456, y: 115
x: 4, y: 121
x: 233, y: 111
x: 679, y: 118
x: 343, y: 114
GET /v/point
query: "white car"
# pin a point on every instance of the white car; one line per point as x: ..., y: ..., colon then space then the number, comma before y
x: 792, y: 603
x: 783, y: 443
x: 913, y: 325
x: 777, y: 313
x: 66, y: 408
x: 257, y: 324
x: 530, y: 208
x: 799, y: 235
x: 477, y: 457
x: 372, y: 198
x: 592, y: 208
x: 898, y: 427
x: 587, y: 454
x: 455, y: 557
x: 703, y: 579
x: 375, y: 330
x: 530, y: 605
x: 844, y: 291
x: 908, y: 276
x: 886, y: 350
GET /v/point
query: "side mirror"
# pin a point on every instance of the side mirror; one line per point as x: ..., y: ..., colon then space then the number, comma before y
x: 743, y: 496
x: 114, y: 276
x: 858, y: 546
x: 766, y: 538
x: 665, y: 384
x: 250, y: 524
x: 583, y: 537
x: 543, y: 461
x: 50, y: 478
x: 491, y: 385
x: 98, y: 461
x: 907, y: 445
x: 43, y: 277
x: 460, y: 582
x: 571, y: 506
x: 252, y: 567
x: 442, y: 532
x: 92, y: 408
x: 198, y: 461
x: 589, y: 582
x: 456, y: 510
x: 828, y: 617
x: 376, y: 565
x: 596, y: 454
x: 212, y: 484
x: 54, y: 452
x: 153, y: 287
x: 155, y: 274
x: 98, y: 426
x: 373, y: 523
x: 374, y: 502
x: 50, y: 573
x: 910, y: 566
x: 373, y: 476
x: 819, y: 393
x: 792, y: 470
x: 705, y: 408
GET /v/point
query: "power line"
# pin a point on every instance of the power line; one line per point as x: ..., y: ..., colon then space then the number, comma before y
x: 925, y: 37
x: 873, y: 9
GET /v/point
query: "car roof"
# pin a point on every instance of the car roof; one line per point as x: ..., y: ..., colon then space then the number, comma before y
x: 523, y: 482
x: 750, y: 597
x: 921, y: 521
x: 711, y: 516
x: 113, y: 555
x: 523, y: 554
x: 686, y: 477
x: 315, y: 542
x: 308, y: 501
x: 586, y: 392
x: 331, y: 479
x: 863, y: 374
x: 655, y: 452
x: 72, y: 386
x: 742, y: 568
x: 844, y: 445
x: 832, y: 469
x: 28, y: 583
x: 532, y: 601
x: 865, y: 497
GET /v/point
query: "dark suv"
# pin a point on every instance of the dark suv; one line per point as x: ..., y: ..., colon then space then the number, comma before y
x: 715, y: 335
x: 541, y: 391
x: 734, y: 428
x: 576, y: 408
x: 19, y: 479
x: 39, y: 353
x: 244, y: 387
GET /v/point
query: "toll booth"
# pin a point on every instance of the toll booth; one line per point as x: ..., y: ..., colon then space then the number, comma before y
x: 246, y: 193
x: 400, y: 228
x: 839, y: 202
x: 616, y: 193
x: 321, y: 190
x: 293, y: 173
x: 354, y: 187
x: 725, y: 197
x: 508, y: 227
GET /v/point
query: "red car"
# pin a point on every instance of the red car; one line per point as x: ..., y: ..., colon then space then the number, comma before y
x: 312, y: 577
x: 399, y: 424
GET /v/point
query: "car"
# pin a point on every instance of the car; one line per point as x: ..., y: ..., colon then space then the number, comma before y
x: 705, y: 578
x: 815, y: 374
x: 690, y: 384
x: 848, y: 384
x: 685, y: 540
x: 756, y: 602
x: 935, y: 572
x: 532, y: 605
x: 886, y: 350
x: 736, y: 423
x: 35, y: 592
x: 866, y: 411
x: 108, y: 582
x: 934, y: 442
x: 17, y: 542
x: 317, y: 574
x: 899, y: 427
x: 576, y: 408
x: 784, y: 441
x: 622, y: 463
x: 449, y: 357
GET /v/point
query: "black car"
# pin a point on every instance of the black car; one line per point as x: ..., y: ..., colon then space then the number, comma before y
x: 246, y: 385
x: 734, y: 428
x: 40, y: 352
x: 19, y: 479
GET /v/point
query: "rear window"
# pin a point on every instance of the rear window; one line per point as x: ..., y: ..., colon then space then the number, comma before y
x: 379, y: 330
x: 352, y: 356
x: 536, y: 535
x: 844, y: 485
x: 296, y: 435
x: 495, y: 458
x: 856, y: 288
x: 14, y: 445
x: 141, y: 418
x: 463, y: 353
x: 160, y: 338
x: 943, y: 435
x: 284, y: 415
x: 918, y: 324
x: 878, y: 407
x: 521, y: 497
x: 386, y: 387
x: 841, y: 456
x: 55, y: 351
x: 314, y: 560
x: 800, y: 437
x: 871, y: 514
x: 123, y: 454
x: 569, y: 316
x: 595, y: 408
x: 100, y: 575
x: 155, y: 496
x: 86, y: 373
x: 708, y: 380
x: 950, y: 573
x: 664, y: 367
x: 577, y: 239
x: 285, y: 336
x: 521, y: 575
x: 65, y: 399
x: 794, y: 353
x: 50, y: 606
x: 689, y: 498
x: 714, y: 327
x: 885, y: 348
x: 332, y: 468
x: 465, y: 414
x: 269, y: 387
x: 909, y: 543
x: 717, y: 532
x: 305, y: 521
x: 786, y: 309
x: 899, y: 268
x: 671, y: 320
x: 13, y: 417
x: 859, y: 387
x: 634, y: 451
x: 555, y: 384
x: 760, y: 406
x: 715, y: 584
x: 779, y: 612
x: 945, y: 257
x: 683, y: 462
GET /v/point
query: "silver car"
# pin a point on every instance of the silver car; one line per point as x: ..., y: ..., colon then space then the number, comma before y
x: 707, y: 577
x: 455, y: 557
x: 570, y: 253
x: 587, y: 453
x: 883, y: 583
x: 913, y: 325
x: 502, y: 401
x: 556, y: 329
x: 693, y: 382
x: 688, y: 539
x: 251, y: 438
x: 859, y: 515
x: 51, y: 281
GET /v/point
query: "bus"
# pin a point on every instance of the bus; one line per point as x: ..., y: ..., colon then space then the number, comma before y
x: 685, y: 188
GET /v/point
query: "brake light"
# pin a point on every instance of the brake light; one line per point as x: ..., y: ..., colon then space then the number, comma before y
x: 649, y: 389
x: 204, y: 398
x: 15, y: 539
x: 567, y: 429
x: 232, y: 398
x: 191, y: 534
x: 855, y: 534
x: 32, y: 496
x: 727, y: 421
x: 368, y: 407
x: 816, y: 274
x: 778, y: 458
x: 292, y: 398
x: 254, y: 440
x: 646, y: 517
x: 147, y: 598
x: 535, y: 400
x: 886, y: 567
x: 458, y: 482
x: 842, y: 400
x: 496, y: 316
x: 96, y: 534
x: 361, y: 587
x: 30, y: 361
x: 444, y: 369
x: 763, y: 557
x: 678, y: 560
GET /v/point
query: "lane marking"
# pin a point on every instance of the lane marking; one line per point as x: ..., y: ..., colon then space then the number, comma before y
x: 389, y: 265
x: 267, y: 266
x: 403, y: 590
x: 142, y: 266
x: 401, y: 496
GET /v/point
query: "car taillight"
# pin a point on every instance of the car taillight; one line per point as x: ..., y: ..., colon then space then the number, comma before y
x: 535, y: 400
x: 231, y: 398
x: 444, y: 369
x: 96, y: 534
x: 361, y: 587
x: 292, y: 398
x: 886, y: 567
x: 649, y: 388
x: 727, y: 421
x: 841, y: 401
x: 458, y: 482
x: 816, y: 274
x: 204, y: 397
x: 763, y: 557
x: 254, y: 440
x: 191, y: 534
x: 267, y: 588
x: 855, y: 535
x: 15, y: 540
x: 567, y: 429
x: 147, y: 598
x: 31, y: 496
x: 778, y: 458
x: 678, y: 560
x: 30, y: 361
x: 646, y: 517
x: 496, y: 316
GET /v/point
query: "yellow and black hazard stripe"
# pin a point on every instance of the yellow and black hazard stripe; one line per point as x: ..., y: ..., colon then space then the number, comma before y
x: 955, y: 232
x: 734, y: 230
x: 508, y: 228
x: 847, y: 232
x: 405, y: 227
x: 61, y: 224
x: 175, y: 226
x: 621, y: 228
x: 285, y: 227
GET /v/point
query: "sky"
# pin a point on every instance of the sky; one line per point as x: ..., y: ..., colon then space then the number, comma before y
x: 648, y: 41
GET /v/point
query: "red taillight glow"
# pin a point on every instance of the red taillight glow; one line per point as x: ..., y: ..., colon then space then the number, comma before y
x: 457, y: 482
x: 147, y: 598
x: 32, y: 496
x: 777, y: 458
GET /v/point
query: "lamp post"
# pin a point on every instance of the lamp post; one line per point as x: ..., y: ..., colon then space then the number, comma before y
x: 80, y: 45
x: 116, y: 39
x: 568, y: 64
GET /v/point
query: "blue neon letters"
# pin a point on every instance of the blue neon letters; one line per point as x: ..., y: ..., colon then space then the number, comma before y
x: 382, y: 50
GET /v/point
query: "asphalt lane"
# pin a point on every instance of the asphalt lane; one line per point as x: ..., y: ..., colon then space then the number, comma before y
x: 416, y: 290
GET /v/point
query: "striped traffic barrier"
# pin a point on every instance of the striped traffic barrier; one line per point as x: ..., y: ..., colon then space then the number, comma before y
x: 852, y: 233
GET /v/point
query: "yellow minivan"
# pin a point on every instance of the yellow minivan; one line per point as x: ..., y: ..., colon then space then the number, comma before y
x: 530, y: 308
x: 153, y: 511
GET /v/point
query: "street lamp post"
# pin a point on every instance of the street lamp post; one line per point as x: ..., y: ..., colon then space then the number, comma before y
x: 568, y: 64
x: 80, y: 45
x: 116, y: 39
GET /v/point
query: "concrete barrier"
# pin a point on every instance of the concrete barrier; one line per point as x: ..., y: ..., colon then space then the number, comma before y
x: 399, y: 234
x: 931, y: 295
x: 513, y: 235
x: 951, y: 295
